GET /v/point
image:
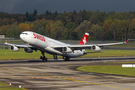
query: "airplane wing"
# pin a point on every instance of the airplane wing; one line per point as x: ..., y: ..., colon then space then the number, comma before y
x: 99, y: 45
x: 79, y: 47
x: 18, y: 45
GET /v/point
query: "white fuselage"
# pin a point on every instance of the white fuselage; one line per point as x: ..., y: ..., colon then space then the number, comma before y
x: 46, y: 44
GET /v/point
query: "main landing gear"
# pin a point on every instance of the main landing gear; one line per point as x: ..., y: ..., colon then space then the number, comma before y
x: 55, y: 57
x: 66, y: 58
x: 43, y: 57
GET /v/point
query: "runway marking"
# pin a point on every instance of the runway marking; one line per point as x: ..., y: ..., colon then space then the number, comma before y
x: 67, y: 79
x: 30, y: 77
x: 49, y: 77
x: 3, y: 64
x: 93, y: 83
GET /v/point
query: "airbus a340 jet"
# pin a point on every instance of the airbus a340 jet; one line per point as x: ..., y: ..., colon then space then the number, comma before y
x: 34, y: 41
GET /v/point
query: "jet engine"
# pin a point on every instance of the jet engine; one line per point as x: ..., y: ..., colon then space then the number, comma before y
x: 96, y: 48
x: 67, y: 50
x: 14, y: 48
x: 28, y: 50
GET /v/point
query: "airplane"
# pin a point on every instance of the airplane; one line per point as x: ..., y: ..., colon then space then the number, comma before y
x: 35, y: 41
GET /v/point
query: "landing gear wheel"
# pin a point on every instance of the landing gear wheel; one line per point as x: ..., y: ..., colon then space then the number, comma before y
x: 55, y: 57
x: 67, y: 58
x: 43, y: 58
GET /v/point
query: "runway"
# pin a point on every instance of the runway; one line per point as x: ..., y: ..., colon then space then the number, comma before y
x: 62, y: 75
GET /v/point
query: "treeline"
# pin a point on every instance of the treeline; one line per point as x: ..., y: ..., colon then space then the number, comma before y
x: 71, y: 25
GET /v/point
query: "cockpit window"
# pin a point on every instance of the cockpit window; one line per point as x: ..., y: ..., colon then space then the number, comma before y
x: 25, y: 33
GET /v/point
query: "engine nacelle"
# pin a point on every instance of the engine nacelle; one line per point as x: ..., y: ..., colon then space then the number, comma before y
x: 14, y: 48
x: 67, y: 50
x: 96, y: 48
x: 28, y: 50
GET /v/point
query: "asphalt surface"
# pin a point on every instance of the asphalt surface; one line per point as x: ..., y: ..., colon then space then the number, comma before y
x: 62, y: 75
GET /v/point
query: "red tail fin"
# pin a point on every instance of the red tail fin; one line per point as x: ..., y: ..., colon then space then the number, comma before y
x: 84, y: 39
x: 126, y: 41
x: 5, y: 41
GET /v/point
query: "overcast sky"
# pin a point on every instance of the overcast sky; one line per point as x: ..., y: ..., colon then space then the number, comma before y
x: 21, y: 6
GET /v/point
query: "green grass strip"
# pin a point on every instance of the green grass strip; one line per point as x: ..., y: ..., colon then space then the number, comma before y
x: 109, y: 69
x: 6, y: 54
x: 4, y: 86
x: 11, y: 88
x: 133, y: 62
x: 111, y: 53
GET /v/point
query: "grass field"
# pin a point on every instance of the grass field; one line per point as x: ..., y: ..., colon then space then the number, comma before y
x: 112, y: 53
x: 127, y: 62
x: 4, y: 86
x: 109, y: 69
x: 6, y: 54
x: 11, y: 88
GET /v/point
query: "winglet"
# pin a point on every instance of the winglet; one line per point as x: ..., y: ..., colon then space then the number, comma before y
x: 126, y: 41
x: 5, y: 41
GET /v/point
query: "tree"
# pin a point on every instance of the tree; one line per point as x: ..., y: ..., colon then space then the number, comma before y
x: 132, y: 28
x: 55, y: 14
x: 27, y: 14
x: 97, y: 32
x: 58, y: 30
x: 107, y: 24
x: 83, y: 28
x: 47, y: 29
x: 113, y: 28
x: 69, y: 32
x: 24, y: 27
x: 73, y: 15
x: 65, y: 19
x: 12, y: 31
x: 107, y: 33
x: 48, y: 15
x: 84, y: 17
x: 6, y: 21
x: 34, y: 13
x: 41, y: 26
x: 3, y: 30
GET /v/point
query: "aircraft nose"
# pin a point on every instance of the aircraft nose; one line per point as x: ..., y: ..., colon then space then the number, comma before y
x: 22, y: 36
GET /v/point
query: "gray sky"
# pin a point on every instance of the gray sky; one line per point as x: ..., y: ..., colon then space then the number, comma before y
x: 21, y: 6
